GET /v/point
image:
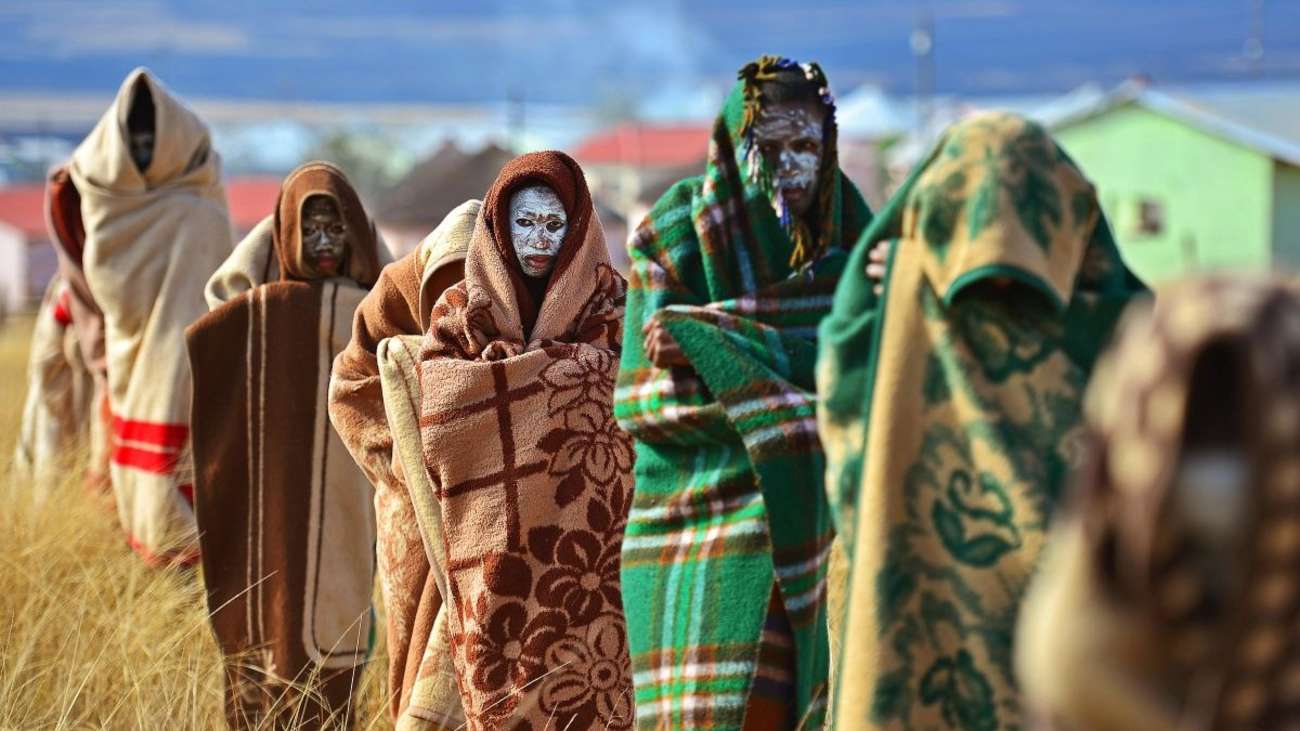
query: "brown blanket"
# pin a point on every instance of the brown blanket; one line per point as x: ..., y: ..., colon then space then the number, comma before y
x: 420, y: 693
x: 529, y: 476
x: 152, y: 240
x: 286, y: 522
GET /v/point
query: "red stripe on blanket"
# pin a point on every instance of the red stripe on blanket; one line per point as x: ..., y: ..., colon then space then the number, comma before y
x: 159, y: 463
x: 163, y: 434
x: 187, y: 557
x: 62, y: 311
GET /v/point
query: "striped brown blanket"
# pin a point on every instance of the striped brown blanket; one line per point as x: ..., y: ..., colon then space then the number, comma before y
x: 285, y: 516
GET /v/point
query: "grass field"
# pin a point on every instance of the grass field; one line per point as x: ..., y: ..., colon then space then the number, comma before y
x: 90, y: 638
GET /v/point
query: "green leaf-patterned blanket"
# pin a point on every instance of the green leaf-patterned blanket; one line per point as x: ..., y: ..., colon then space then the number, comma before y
x: 949, y: 406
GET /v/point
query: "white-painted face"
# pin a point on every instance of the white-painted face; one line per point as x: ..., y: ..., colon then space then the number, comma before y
x: 789, y: 136
x: 537, y: 226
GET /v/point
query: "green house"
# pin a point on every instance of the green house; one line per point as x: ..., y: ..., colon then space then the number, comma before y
x: 1187, y: 187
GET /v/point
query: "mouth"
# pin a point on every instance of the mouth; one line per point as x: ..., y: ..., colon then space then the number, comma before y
x: 794, y: 195
x: 326, y: 261
x: 537, y: 261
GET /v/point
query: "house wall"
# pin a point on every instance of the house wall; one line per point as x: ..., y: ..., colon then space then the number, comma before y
x: 1215, y: 195
x: 13, y: 270
x: 1286, y: 216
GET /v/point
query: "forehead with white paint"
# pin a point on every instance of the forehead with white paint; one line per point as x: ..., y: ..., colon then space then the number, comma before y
x: 789, y: 136
x: 538, y: 223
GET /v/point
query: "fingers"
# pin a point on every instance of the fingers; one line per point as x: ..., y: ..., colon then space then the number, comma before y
x: 879, y: 252
x: 876, y: 271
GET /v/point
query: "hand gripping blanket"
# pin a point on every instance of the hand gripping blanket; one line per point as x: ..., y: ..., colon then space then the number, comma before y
x: 728, y: 471
x: 1175, y: 567
x: 950, y: 411
x: 529, y: 477
x: 285, y: 516
x: 421, y: 683
x: 152, y: 241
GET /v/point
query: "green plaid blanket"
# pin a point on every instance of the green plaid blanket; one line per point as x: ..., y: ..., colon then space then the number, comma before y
x: 728, y: 468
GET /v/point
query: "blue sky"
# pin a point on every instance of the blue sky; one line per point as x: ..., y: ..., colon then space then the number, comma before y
x: 603, y: 51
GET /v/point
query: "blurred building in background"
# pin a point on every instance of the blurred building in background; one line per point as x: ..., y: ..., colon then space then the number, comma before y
x: 1191, y: 183
x: 1192, y: 176
x: 27, y: 258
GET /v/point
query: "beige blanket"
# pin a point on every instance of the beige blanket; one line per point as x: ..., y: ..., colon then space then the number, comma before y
x: 422, y: 693
x: 58, y: 410
x: 152, y: 241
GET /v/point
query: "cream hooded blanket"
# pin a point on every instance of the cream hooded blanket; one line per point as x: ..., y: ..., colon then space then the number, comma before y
x: 152, y: 241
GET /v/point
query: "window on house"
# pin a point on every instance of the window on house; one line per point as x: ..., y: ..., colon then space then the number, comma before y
x: 1151, y: 217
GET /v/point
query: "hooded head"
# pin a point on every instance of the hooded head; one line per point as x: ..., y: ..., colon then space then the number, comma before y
x: 781, y: 121
x: 321, y: 229
x: 538, y: 180
x: 147, y: 140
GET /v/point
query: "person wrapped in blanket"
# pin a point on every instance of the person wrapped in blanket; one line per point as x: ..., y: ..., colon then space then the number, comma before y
x: 421, y: 681
x: 1176, y: 567
x: 58, y: 408
x: 287, y: 528
x: 156, y: 227
x: 724, y: 562
x: 950, y: 415
x: 67, y: 396
x: 518, y: 476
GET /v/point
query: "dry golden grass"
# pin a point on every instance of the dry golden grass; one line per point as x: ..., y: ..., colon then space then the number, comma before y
x: 89, y: 636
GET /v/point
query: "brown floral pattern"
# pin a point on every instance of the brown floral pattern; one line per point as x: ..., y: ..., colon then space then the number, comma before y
x: 590, y: 683
x: 533, y: 505
x: 583, y: 580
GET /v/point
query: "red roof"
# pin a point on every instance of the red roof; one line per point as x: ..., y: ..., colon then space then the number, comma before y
x: 23, y: 207
x: 251, y: 199
x: 646, y: 145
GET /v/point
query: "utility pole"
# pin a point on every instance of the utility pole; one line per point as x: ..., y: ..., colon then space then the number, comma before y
x: 516, y: 120
x: 922, y: 43
x: 1254, y: 50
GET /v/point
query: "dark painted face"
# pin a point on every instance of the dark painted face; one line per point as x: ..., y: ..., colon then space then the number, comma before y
x: 142, y: 149
x: 325, y: 236
x: 141, y: 127
x: 789, y: 135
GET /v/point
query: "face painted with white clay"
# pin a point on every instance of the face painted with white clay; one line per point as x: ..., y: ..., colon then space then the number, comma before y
x: 789, y: 135
x: 324, y: 235
x: 537, y: 226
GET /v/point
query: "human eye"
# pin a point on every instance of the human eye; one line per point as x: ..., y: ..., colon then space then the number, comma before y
x: 524, y: 222
x: 554, y: 226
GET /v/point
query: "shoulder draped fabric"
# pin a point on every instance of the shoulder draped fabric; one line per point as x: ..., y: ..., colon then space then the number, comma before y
x: 63, y: 413
x: 528, y: 476
x: 152, y: 241
x: 950, y: 411
x: 58, y: 409
x: 421, y: 683
x: 728, y: 499
x: 1179, y: 589
x: 68, y: 234
x: 285, y: 515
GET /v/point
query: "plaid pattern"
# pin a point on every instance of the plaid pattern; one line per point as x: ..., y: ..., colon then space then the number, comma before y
x: 728, y: 498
